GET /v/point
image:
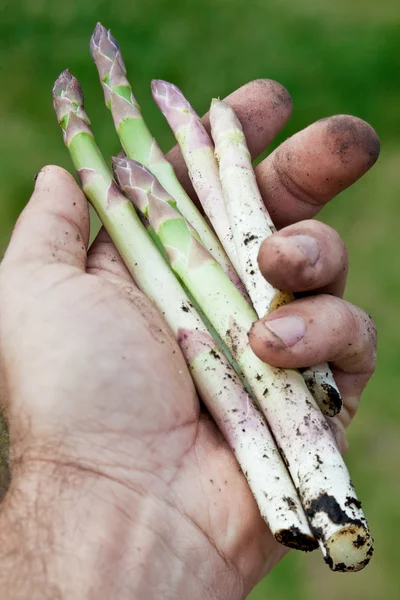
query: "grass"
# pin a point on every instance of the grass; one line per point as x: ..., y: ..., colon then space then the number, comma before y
x: 340, y: 57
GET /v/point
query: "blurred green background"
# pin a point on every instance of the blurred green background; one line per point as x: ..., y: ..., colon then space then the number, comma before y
x: 333, y: 57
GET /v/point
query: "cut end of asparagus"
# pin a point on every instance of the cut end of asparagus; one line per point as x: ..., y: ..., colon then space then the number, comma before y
x: 349, y: 550
x: 296, y: 539
x: 323, y: 388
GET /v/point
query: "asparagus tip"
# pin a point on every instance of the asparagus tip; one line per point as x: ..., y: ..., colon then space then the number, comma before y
x: 64, y: 83
x: 162, y: 88
x: 141, y: 186
x: 107, y: 56
x: 171, y: 101
x: 68, y: 96
x: 99, y: 30
x: 103, y: 41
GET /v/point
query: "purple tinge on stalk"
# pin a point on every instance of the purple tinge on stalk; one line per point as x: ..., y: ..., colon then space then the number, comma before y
x: 156, y: 155
x: 159, y: 211
x: 224, y: 122
x: 121, y: 108
x: 198, y: 255
x: 68, y: 102
x: 114, y: 195
x: 179, y: 113
x: 194, y: 343
x: 86, y: 176
x: 75, y: 126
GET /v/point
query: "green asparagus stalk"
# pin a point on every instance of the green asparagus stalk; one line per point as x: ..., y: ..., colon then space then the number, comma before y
x: 300, y: 430
x: 139, y: 144
x: 217, y: 383
x: 251, y: 224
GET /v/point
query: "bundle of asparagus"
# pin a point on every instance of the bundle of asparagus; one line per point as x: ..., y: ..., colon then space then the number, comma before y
x: 287, y: 451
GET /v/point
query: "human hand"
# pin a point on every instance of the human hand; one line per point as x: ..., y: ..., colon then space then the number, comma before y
x: 108, y: 437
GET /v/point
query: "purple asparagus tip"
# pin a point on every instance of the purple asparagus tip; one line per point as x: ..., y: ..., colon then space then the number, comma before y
x: 103, y: 42
x: 106, y: 54
x: 173, y: 104
x: 67, y: 86
x: 105, y: 51
x: 168, y: 95
x: 68, y: 97
x: 179, y: 113
x: 95, y: 39
x: 68, y: 104
x: 137, y: 181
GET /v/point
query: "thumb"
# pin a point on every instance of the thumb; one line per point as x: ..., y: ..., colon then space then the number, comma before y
x: 53, y: 228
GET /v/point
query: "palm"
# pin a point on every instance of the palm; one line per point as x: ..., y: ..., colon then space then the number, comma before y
x: 144, y: 414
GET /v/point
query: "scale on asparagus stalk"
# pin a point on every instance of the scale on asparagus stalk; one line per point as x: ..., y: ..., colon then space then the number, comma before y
x: 273, y: 419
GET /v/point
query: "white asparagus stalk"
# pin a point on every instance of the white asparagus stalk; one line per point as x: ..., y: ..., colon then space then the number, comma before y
x: 248, y: 217
x: 250, y: 224
x: 219, y: 386
x: 247, y: 434
x: 300, y: 430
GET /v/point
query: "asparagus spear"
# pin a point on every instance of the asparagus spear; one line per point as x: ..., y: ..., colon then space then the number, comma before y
x: 139, y: 144
x: 250, y: 225
x: 300, y: 430
x: 217, y: 383
x: 198, y: 152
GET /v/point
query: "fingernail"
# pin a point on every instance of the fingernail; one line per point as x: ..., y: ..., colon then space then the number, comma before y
x: 289, y: 330
x: 309, y: 247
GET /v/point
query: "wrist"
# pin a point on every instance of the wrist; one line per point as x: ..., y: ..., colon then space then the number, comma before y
x: 71, y: 533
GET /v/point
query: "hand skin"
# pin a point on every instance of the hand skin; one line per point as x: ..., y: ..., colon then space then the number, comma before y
x: 121, y: 485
